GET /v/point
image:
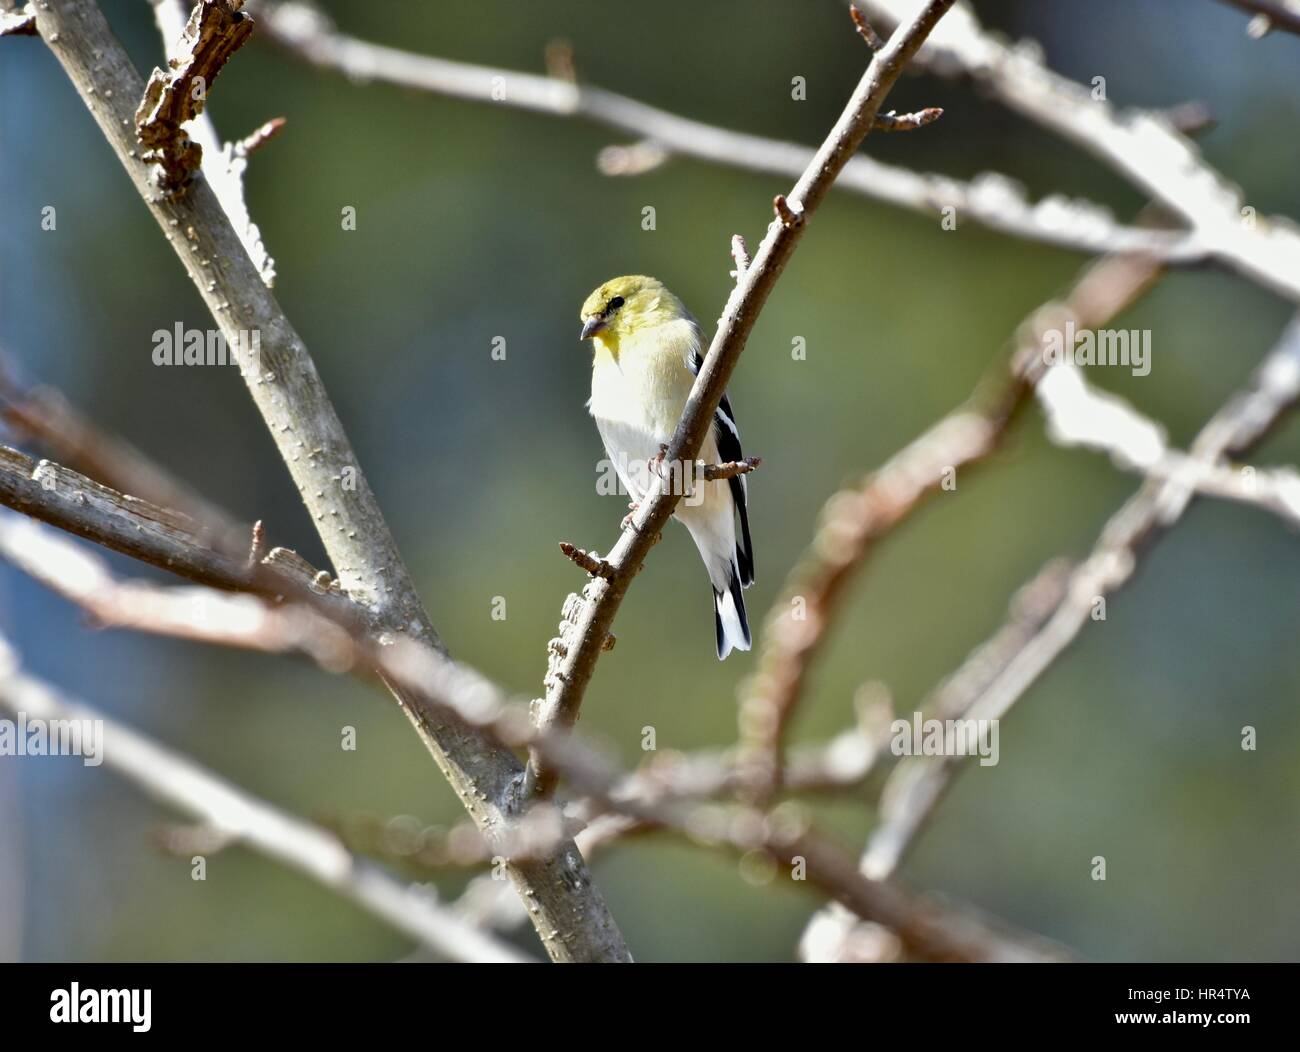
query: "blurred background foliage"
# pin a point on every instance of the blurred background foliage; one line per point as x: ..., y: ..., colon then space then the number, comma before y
x: 476, y: 222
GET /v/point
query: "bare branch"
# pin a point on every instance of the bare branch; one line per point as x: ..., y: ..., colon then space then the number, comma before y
x: 991, y: 200
x: 732, y: 468
x: 1141, y: 145
x: 603, y: 596
x: 918, y: 784
x: 566, y: 908
x: 179, y: 782
x: 856, y: 518
x: 589, y: 561
x: 238, y: 620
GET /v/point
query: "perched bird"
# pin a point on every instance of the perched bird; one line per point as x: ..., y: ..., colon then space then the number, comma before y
x: 647, y: 352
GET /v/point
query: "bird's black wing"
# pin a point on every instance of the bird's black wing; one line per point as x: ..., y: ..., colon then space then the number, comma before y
x: 727, y: 435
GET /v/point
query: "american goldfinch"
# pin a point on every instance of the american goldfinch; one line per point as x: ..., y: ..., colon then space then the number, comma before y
x: 647, y: 352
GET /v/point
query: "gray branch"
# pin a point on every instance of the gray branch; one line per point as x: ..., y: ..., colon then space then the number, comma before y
x: 567, y: 910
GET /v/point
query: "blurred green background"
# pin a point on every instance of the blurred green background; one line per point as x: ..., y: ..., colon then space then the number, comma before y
x: 476, y: 222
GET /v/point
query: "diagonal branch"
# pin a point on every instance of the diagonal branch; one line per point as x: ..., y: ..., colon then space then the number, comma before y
x: 917, y: 785
x: 567, y: 910
x: 857, y: 518
x: 591, y: 622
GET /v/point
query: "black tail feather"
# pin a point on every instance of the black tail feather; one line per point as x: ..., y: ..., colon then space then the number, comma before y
x: 737, y: 597
x: 744, y: 546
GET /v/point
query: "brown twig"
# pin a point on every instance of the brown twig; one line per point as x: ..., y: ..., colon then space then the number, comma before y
x: 259, y: 137
x: 868, y: 35
x: 789, y: 217
x: 590, y: 562
x: 905, y: 122
x: 560, y: 62
x: 732, y: 468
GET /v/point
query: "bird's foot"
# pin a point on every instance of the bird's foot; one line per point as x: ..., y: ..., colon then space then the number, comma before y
x: 627, y: 519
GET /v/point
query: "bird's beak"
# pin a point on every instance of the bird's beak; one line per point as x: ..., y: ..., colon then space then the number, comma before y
x: 592, y: 326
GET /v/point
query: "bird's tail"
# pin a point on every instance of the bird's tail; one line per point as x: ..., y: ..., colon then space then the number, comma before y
x: 729, y: 615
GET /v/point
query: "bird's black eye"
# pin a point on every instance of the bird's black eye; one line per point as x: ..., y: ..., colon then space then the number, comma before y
x: 613, y: 305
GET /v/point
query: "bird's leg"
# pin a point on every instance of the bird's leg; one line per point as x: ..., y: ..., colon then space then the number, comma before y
x: 627, y: 519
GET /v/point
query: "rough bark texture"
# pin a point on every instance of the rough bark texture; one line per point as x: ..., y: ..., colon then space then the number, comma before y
x: 566, y: 909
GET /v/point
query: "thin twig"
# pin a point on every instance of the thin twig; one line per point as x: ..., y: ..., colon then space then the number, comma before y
x: 740, y: 255
x: 590, y: 562
x: 868, y: 35
x: 905, y: 122
x: 732, y: 468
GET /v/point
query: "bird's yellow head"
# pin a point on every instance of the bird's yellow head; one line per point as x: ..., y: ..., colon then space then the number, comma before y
x: 627, y: 306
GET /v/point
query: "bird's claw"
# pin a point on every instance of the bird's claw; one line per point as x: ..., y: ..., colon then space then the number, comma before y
x: 657, y: 461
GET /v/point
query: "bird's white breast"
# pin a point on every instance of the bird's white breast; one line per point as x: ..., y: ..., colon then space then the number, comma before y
x: 638, y: 392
